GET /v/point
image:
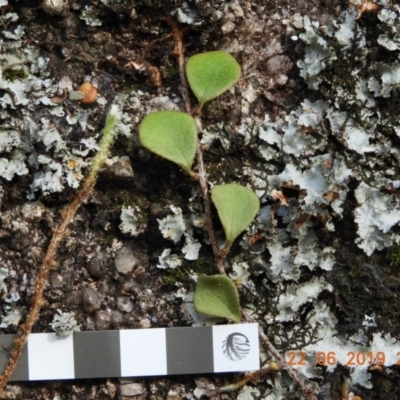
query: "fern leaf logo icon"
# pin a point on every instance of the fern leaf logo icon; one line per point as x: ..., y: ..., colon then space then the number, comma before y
x: 236, y: 346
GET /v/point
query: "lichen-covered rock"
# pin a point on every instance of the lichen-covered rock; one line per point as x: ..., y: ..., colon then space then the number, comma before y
x: 32, y: 211
x: 91, y: 300
x: 102, y: 320
x: 124, y: 304
x: 126, y: 260
x: 97, y: 264
x: 119, y: 168
x: 132, y: 389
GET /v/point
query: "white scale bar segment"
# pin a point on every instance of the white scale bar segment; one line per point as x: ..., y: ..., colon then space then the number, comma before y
x: 50, y: 357
x: 143, y: 352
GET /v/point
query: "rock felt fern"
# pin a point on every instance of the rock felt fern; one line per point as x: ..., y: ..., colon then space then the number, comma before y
x: 173, y: 136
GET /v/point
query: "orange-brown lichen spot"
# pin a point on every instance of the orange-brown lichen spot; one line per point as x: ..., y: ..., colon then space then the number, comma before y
x: 89, y: 91
x: 367, y: 7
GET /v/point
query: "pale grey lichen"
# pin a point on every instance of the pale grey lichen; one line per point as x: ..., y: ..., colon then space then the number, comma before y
x: 88, y: 16
x: 64, y: 323
x: 240, y: 273
x: 11, y: 313
x: 29, y: 144
x: 132, y: 221
x: 317, y: 51
x: 55, y: 7
x: 12, y: 316
x: 173, y: 227
x: 369, y: 321
x: 191, y: 248
x: 295, y: 296
x: 168, y: 260
x: 341, y: 145
x: 186, y: 15
x: 348, y: 114
x: 3, y: 275
x: 376, y: 215
x: 391, y: 38
x: 250, y: 392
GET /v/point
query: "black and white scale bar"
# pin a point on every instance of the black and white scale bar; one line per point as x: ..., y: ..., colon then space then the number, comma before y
x: 136, y: 352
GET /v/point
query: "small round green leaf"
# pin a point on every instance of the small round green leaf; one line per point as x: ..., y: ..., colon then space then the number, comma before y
x: 211, y: 74
x: 171, y: 135
x: 236, y: 206
x: 217, y: 296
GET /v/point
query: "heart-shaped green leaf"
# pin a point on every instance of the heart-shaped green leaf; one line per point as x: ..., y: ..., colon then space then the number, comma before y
x: 237, y: 206
x: 211, y: 74
x: 171, y: 135
x: 217, y: 296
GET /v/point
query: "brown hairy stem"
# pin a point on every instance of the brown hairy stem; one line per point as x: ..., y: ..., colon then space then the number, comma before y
x: 41, y: 279
x: 67, y: 215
